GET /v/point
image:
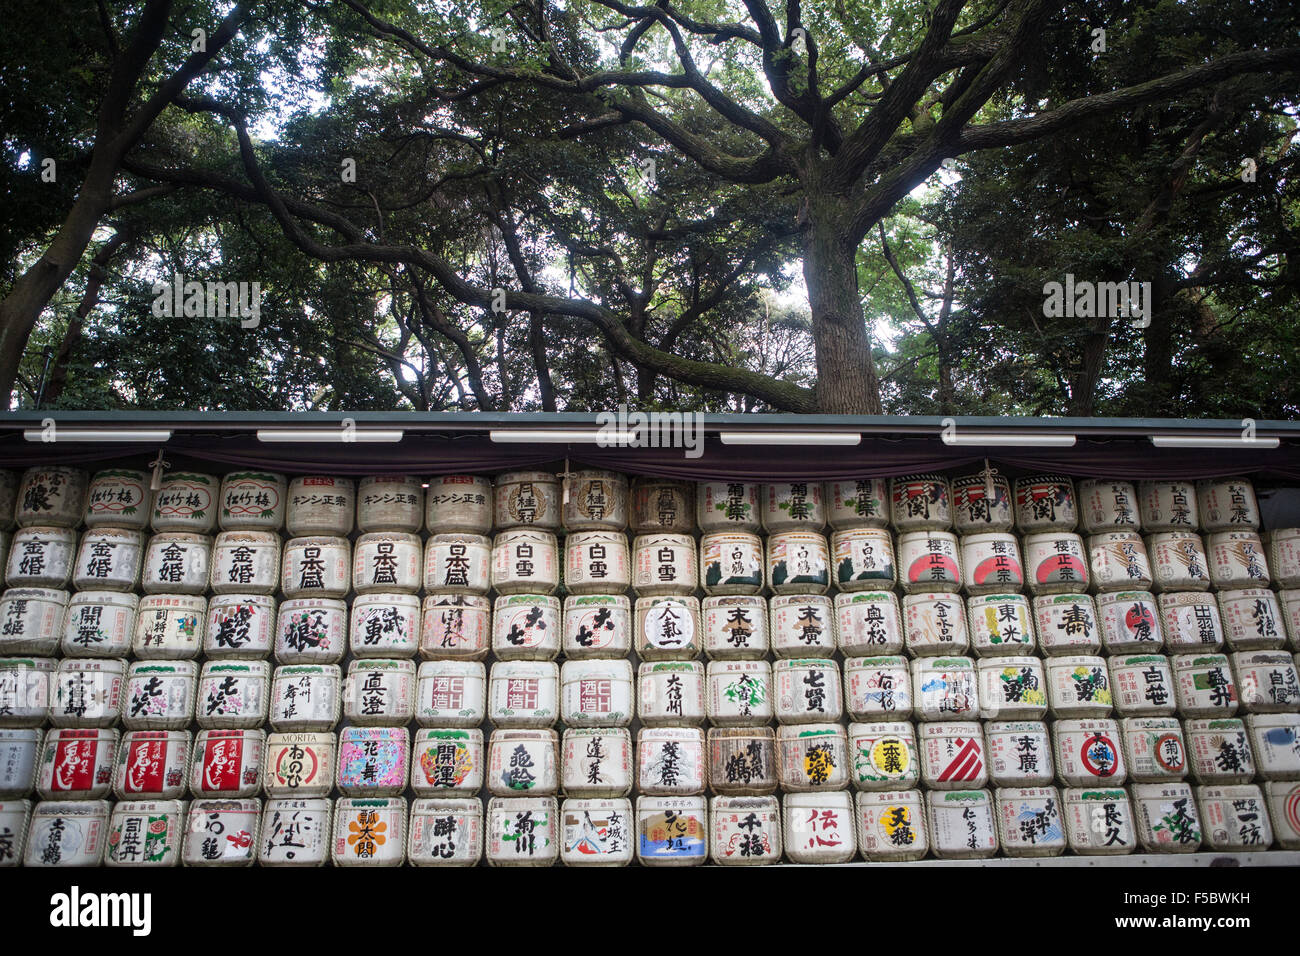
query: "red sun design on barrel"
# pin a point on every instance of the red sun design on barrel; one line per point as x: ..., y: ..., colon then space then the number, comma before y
x: 992, y: 568
x: 933, y: 567
x: 1061, y: 567
x: 1139, y: 617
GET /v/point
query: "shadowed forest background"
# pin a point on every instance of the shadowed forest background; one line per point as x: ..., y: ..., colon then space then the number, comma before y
x: 723, y: 205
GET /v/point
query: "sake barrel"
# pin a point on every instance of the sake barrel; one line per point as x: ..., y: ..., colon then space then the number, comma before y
x: 952, y: 755
x: 596, y: 831
x: 1237, y: 560
x: 526, y: 627
x: 1078, y: 685
x: 597, y: 693
x: 240, y: 625
x: 735, y: 627
x: 311, y: 631
x: 527, y: 499
x: 233, y: 694
x: 1019, y: 753
x: 1000, y: 624
x: 670, y: 761
x: 891, y: 826
x: 1106, y: 505
x: 728, y: 506
x: 461, y: 503
x: 1056, y: 563
x: 379, y: 691
x: 320, y: 505
x: 245, y: 562
x: 868, y: 623
x: 1087, y: 752
x: 811, y: 757
x: 446, y: 831
x: 295, y: 831
x: 316, y: 567
x: 525, y: 560
x: 169, y: 626
x: 1168, y: 506
x: 742, y: 760
x: 807, y: 690
x: 1119, y: 561
x: 117, y: 498
x: 1234, y: 818
x: 597, y: 561
x: 1129, y: 622
x: 50, y: 497
x: 385, y: 625
x: 18, y: 750
x: 1167, y: 817
x: 299, y: 764
x: 14, y: 817
x: 1204, y: 685
x: 369, y: 831
x: 1267, y: 681
x: 186, y: 501
x: 373, y: 761
x: 595, y: 501
x: 305, y: 697
x: 731, y: 562
x: 596, y: 761
x: 962, y: 825
x: 798, y: 562
x: 793, y: 506
x: 991, y: 563
x: 935, y: 624
x: 1227, y: 504
x: 41, y: 557
x: 818, y: 827
x: 672, y: 831
x: 802, y: 625
x: 1142, y: 685
x: 160, y: 695
x: 1284, y: 557
x: 597, y: 625
x: 1178, y: 561
x: 451, y: 693
x: 745, y: 831
x: 67, y: 834
x: 392, y: 503
x: 1284, y: 812
x: 860, y: 503
x: 662, y: 505
x: 1012, y: 688
x: 670, y: 692
x: 1045, y: 503
x: 524, y: 693
x: 1154, y: 748
x: 1190, y: 621
x: 152, y: 763
x: 920, y: 502
x: 883, y: 755
x: 1099, y: 821
x: 177, y: 562
x: 26, y: 688
x: 88, y: 692
x: 31, y: 620
x: 982, y: 504
x: 455, y: 626
x: 1030, y: 822
x: 77, y: 764
x: 664, y: 564
x: 1252, y: 619
x: 1289, y: 601
x: 99, y: 624
x: 877, y: 688
x: 523, y: 763
x: 253, y: 501
x: 1275, y: 743
x: 739, y: 693
x: 863, y: 559
x: 387, y: 561
x: 667, y: 628
x: 945, y: 688
x: 1219, y: 750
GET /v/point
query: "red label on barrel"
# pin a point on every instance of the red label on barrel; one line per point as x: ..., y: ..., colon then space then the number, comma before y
x: 74, y: 761
x: 222, y: 757
x: 145, y: 763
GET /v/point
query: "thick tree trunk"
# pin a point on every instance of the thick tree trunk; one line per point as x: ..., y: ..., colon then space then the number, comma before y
x: 846, y: 374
